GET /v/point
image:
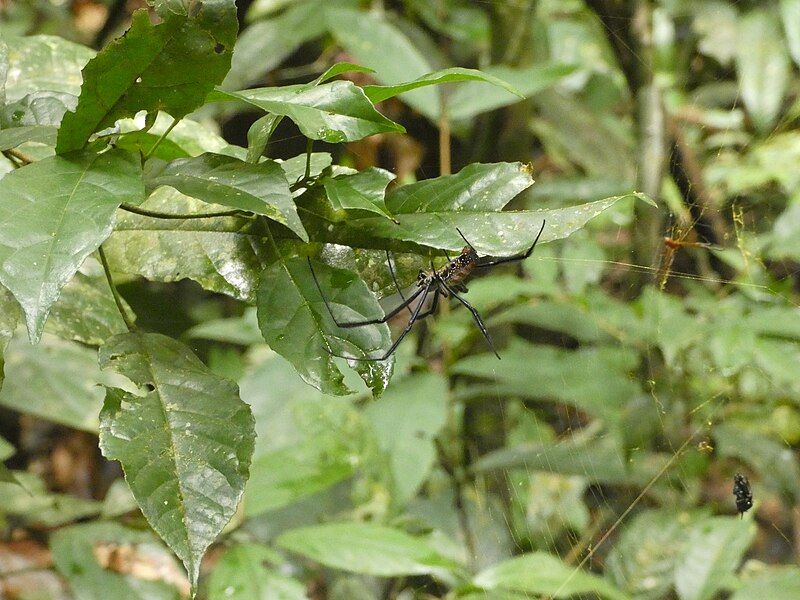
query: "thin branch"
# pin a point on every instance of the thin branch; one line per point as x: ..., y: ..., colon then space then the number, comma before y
x: 178, y: 216
x: 161, y: 138
x: 117, y: 298
x: 19, y: 156
x: 445, y: 162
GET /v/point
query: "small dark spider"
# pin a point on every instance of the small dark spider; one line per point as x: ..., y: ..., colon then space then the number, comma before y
x: 442, y: 283
x: 742, y: 493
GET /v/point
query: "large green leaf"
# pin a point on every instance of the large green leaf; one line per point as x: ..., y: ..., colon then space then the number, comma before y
x: 218, y: 253
x: 543, y: 573
x: 260, y: 188
x: 30, y: 502
x: 774, y: 582
x: 365, y: 548
x: 170, y: 66
x: 763, y: 66
x: 55, y: 380
x: 474, y: 98
x: 334, y: 112
x: 405, y: 421
x: 241, y: 575
x: 713, y: 551
x: 295, y: 323
x: 185, y: 444
x: 54, y: 213
x: 363, y: 190
x: 44, y: 62
x: 76, y: 551
x: 379, y: 93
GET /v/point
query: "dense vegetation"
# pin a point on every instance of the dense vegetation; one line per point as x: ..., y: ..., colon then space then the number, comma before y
x: 165, y: 194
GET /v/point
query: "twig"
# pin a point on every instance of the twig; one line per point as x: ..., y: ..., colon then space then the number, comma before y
x: 161, y: 138
x: 117, y: 298
x: 445, y: 162
x: 162, y: 215
x: 19, y: 156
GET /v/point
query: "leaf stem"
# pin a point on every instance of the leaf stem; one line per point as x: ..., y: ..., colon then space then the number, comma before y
x: 445, y: 167
x: 161, y: 138
x: 117, y: 298
x: 162, y: 215
x: 23, y: 158
x: 309, y: 150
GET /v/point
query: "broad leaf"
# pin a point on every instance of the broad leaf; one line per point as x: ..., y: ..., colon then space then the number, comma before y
x: 406, y: 420
x: 474, y: 98
x: 55, y: 213
x: 29, y: 501
x: 713, y: 551
x: 185, y: 444
x: 545, y: 574
x: 379, y: 93
x: 218, y: 253
x: 365, y: 548
x: 259, y: 188
x: 333, y: 112
x: 85, y: 557
x: 290, y: 303
x: 763, y: 66
x: 55, y: 380
x: 362, y: 190
x: 16, y: 136
x: 241, y: 575
x: 170, y: 66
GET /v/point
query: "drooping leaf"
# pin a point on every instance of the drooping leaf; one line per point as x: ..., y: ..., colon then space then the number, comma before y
x: 83, y: 554
x: 44, y: 62
x: 170, y: 66
x: 218, y: 253
x: 260, y: 188
x: 185, y: 444
x: 379, y: 93
x: 55, y: 380
x: 365, y: 548
x: 295, y: 323
x: 363, y: 190
x: 334, y: 112
x: 405, y: 421
x: 471, y: 99
x: 763, y: 66
x: 241, y: 575
x: 713, y: 551
x: 543, y: 573
x: 55, y: 213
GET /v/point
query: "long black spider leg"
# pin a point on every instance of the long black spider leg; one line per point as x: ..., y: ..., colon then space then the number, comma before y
x: 515, y: 258
x: 345, y: 325
x: 394, y: 278
x: 409, y: 325
x: 475, y: 315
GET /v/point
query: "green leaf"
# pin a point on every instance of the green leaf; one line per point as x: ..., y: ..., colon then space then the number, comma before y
x: 405, y: 421
x: 29, y: 501
x: 241, y: 575
x: 333, y: 112
x: 86, y: 312
x: 471, y: 99
x: 365, y: 548
x: 790, y: 15
x: 185, y: 444
x: 382, y: 46
x: 714, y: 549
x: 75, y: 554
x: 363, y: 190
x: 55, y: 380
x: 379, y: 93
x: 543, y: 573
x: 289, y: 302
x: 218, y: 253
x: 7, y: 476
x: 259, y: 188
x: 44, y: 62
x: 16, y: 136
x: 55, y: 213
x: 170, y: 66
x: 763, y: 66
x: 9, y: 318
x: 187, y: 138
x: 774, y: 582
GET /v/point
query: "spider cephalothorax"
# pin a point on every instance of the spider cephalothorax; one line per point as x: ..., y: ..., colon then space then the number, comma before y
x: 445, y: 282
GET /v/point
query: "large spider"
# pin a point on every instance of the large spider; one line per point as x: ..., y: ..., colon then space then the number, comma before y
x: 445, y: 282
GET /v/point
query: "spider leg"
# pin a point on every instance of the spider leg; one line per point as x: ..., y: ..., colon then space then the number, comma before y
x: 475, y: 315
x: 347, y: 324
x: 394, y: 278
x: 434, y: 305
x: 515, y: 258
x: 409, y: 325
